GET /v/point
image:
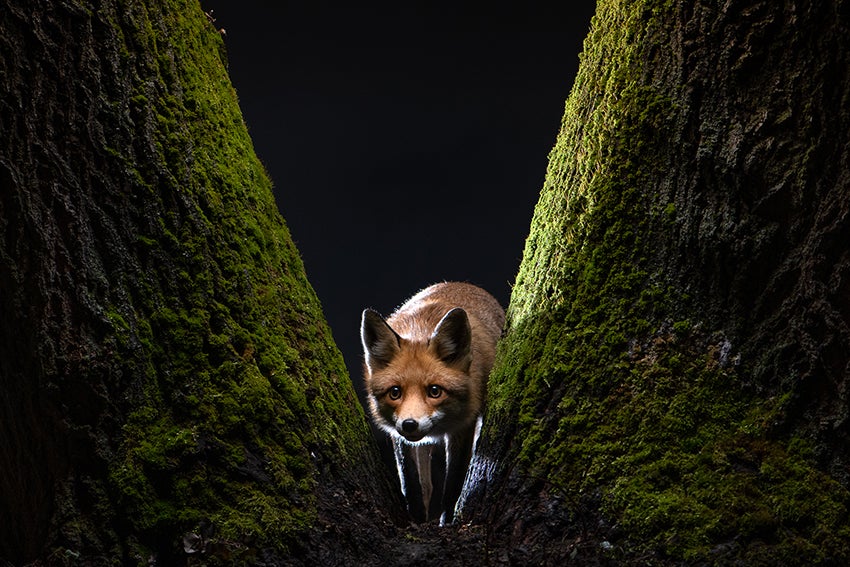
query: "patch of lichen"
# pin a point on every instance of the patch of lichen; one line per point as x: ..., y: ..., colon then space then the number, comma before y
x: 236, y: 396
x: 651, y: 412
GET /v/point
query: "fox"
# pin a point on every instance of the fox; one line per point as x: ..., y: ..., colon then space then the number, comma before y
x: 426, y: 368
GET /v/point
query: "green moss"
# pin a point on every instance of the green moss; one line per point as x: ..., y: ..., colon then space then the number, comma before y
x: 651, y: 411
x: 219, y: 337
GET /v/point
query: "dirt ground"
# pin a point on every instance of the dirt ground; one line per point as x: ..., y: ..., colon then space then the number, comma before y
x: 350, y: 536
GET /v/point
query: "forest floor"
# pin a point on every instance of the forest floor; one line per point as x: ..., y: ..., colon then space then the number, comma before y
x: 350, y: 537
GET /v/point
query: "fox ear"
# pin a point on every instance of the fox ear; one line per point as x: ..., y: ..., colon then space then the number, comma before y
x: 451, y: 341
x: 380, y: 342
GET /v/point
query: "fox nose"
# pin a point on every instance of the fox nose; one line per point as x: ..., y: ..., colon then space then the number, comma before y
x: 409, y: 425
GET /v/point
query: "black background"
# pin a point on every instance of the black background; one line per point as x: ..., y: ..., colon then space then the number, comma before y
x: 405, y: 148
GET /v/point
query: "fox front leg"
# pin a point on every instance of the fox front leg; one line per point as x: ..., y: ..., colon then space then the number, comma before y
x: 412, y: 485
x: 422, y: 458
x: 458, y: 454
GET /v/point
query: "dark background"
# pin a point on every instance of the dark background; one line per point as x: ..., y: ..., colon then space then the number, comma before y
x: 403, y: 151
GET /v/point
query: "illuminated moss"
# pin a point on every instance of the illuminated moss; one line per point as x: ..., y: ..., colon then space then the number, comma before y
x: 217, y: 335
x: 655, y: 417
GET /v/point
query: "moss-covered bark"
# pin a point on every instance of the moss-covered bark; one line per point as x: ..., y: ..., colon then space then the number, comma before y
x: 672, y: 386
x: 673, y: 380
x: 167, y: 378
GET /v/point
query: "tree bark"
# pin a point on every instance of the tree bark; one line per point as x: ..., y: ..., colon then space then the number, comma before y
x: 168, y: 384
x: 673, y: 383
x: 671, y: 387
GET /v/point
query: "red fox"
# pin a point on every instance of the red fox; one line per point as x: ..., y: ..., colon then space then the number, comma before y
x: 426, y: 369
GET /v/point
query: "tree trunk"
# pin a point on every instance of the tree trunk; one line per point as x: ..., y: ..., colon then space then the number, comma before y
x: 673, y: 382
x: 168, y: 384
x: 672, y: 385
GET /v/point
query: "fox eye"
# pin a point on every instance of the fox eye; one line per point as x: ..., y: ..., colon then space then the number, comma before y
x: 434, y: 391
x: 394, y: 393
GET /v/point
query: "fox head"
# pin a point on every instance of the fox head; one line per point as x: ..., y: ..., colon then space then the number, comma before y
x: 420, y: 390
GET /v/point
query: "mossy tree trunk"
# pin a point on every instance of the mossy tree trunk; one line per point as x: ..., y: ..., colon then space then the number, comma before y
x: 672, y: 384
x: 167, y: 379
x: 674, y: 380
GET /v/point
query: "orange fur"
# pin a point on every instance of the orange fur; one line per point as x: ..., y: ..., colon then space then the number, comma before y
x: 426, y: 370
